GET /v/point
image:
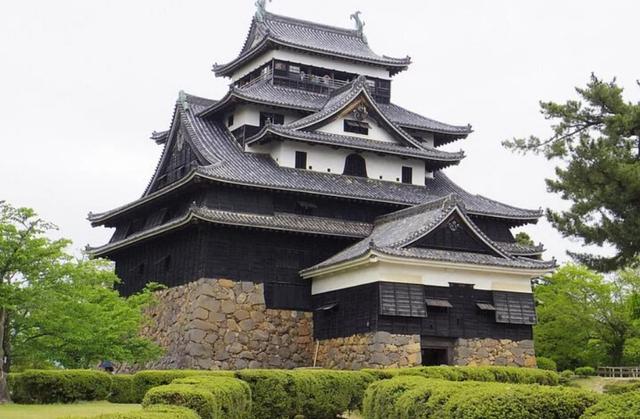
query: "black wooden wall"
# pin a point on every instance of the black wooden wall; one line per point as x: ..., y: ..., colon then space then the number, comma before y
x: 357, y: 310
x: 211, y: 251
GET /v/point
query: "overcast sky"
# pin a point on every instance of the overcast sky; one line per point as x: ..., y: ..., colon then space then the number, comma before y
x: 84, y: 83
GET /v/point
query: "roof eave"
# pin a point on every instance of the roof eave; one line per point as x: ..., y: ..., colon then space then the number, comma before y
x: 226, y: 70
x: 378, y: 255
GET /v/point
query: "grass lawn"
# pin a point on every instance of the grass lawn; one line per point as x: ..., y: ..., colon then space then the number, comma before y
x: 52, y: 411
x: 597, y: 383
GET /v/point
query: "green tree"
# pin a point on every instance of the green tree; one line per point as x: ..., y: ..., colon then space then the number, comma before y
x: 59, y: 311
x: 596, y: 140
x: 585, y: 319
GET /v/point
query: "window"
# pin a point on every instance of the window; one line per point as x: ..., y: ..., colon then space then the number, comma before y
x: 371, y: 83
x: 294, y: 69
x: 356, y: 127
x: 275, y: 118
x: 230, y: 120
x: 407, y: 174
x: 402, y: 300
x: 301, y: 160
x: 281, y: 66
x: 355, y: 165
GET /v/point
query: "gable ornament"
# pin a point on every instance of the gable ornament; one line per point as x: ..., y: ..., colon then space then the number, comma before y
x: 361, y: 113
x: 359, y: 25
x: 261, y: 9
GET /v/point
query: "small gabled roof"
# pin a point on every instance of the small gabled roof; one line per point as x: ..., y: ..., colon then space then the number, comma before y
x: 444, y: 158
x: 394, y: 233
x: 281, y: 31
x: 264, y: 92
x: 344, y: 98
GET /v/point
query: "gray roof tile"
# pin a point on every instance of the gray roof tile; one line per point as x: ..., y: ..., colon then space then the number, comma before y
x: 358, y: 143
x: 229, y: 163
x: 278, y: 221
x: 264, y: 92
x: 391, y: 233
x: 308, y: 36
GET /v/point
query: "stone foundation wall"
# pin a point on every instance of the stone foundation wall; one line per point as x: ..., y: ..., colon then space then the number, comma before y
x: 224, y: 324
x: 370, y: 350
x: 502, y: 352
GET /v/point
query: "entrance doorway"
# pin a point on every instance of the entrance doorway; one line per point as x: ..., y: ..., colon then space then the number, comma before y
x: 436, y: 350
x: 435, y: 356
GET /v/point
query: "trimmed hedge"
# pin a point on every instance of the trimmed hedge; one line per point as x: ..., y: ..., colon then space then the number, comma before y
x: 514, y: 375
x: 145, y: 380
x: 59, y: 386
x: 155, y: 411
x: 621, y: 387
x: 546, y: 364
x: 272, y: 393
x: 622, y: 406
x: 123, y: 389
x: 314, y: 394
x: 407, y: 397
x: 232, y: 396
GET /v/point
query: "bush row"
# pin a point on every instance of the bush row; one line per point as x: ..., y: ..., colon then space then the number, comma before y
x: 513, y: 375
x: 621, y: 406
x: 151, y: 412
x: 620, y: 387
x: 209, y: 396
x: 59, y: 386
x: 412, y: 397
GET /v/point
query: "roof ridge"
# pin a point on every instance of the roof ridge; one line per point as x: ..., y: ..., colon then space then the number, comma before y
x: 303, y: 22
x: 442, y: 203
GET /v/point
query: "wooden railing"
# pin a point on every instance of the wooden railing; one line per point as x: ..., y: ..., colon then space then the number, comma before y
x: 624, y: 372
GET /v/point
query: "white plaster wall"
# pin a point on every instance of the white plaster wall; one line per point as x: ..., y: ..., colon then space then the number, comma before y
x: 249, y: 114
x: 376, y: 132
x: 312, y: 60
x: 327, y: 159
x: 425, y: 275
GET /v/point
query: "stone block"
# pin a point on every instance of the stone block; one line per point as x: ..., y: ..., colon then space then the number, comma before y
x: 226, y: 283
x: 228, y: 307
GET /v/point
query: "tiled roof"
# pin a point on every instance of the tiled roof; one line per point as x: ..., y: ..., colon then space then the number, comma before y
x: 265, y: 92
x: 228, y: 163
x: 278, y: 221
x: 357, y: 143
x: 522, y: 249
x: 393, y: 232
x: 310, y: 37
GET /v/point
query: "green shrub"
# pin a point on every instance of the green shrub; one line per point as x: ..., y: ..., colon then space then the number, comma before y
x: 382, y: 373
x: 620, y: 387
x: 198, y: 399
x: 585, y: 371
x: 156, y: 411
x: 381, y: 396
x: 513, y: 375
x: 621, y: 406
x: 407, y: 397
x: 272, y: 393
x: 516, y: 401
x: 325, y: 394
x: 122, y: 389
x: 144, y: 380
x: 546, y: 364
x: 232, y: 396
x: 59, y: 386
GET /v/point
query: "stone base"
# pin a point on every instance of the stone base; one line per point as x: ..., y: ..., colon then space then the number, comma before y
x: 504, y: 352
x: 224, y: 324
x: 370, y: 350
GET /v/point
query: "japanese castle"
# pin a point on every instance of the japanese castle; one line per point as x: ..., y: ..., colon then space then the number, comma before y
x: 306, y: 219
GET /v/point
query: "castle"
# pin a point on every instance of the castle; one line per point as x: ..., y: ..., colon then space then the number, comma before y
x: 306, y: 219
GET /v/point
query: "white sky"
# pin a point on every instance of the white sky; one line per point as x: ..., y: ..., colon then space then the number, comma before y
x: 85, y: 82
